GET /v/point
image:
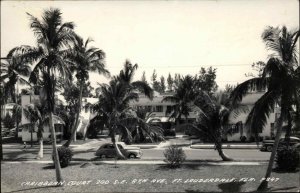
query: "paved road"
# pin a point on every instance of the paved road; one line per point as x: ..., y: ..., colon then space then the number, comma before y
x: 148, y: 154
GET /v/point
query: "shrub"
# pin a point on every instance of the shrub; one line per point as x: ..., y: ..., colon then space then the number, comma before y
x: 288, y: 158
x: 175, y: 156
x: 65, y: 155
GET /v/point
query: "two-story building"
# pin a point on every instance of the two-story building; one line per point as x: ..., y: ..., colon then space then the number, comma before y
x: 236, y: 127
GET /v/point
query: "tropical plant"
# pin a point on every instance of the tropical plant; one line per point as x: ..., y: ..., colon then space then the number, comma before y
x: 141, y: 131
x: 280, y: 78
x: 213, y: 116
x: 65, y: 156
x: 13, y: 71
x: 81, y: 60
x: 288, y: 158
x: 53, y: 37
x: 183, y: 98
x: 36, y: 114
x: 126, y: 76
x: 17, y: 116
x: 113, y: 105
x: 175, y: 156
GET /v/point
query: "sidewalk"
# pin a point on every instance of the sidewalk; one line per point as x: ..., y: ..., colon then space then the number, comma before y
x: 226, y: 146
x: 147, y: 162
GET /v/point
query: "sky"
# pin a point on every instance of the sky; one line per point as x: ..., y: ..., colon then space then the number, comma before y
x: 168, y: 36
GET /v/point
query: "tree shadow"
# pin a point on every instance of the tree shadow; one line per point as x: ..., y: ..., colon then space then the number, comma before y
x: 278, y: 170
x: 35, y: 188
x: 231, y: 186
x: 284, y: 189
x: 51, y: 166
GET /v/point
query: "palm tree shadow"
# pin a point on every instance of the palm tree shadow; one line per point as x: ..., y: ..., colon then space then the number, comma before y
x: 231, y: 186
x: 277, y: 170
x: 35, y: 188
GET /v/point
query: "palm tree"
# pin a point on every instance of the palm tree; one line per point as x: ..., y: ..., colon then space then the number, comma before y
x: 140, y: 129
x: 36, y: 114
x: 83, y: 59
x: 13, y: 71
x: 53, y: 37
x: 281, y: 79
x: 126, y: 76
x: 213, y: 115
x: 183, y: 98
x: 113, y: 105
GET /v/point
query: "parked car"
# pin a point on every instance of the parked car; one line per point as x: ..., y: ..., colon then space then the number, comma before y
x: 108, y: 150
x: 267, y: 145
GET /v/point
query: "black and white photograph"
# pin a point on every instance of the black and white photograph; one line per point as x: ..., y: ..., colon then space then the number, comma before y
x: 150, y: 96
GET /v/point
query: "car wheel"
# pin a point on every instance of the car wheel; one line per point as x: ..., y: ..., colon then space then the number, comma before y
x: 269, y: 148
x: 131, y: 156
x: 103, y: 156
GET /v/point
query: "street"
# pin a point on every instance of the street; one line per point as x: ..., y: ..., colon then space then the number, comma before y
x: 17, y: 153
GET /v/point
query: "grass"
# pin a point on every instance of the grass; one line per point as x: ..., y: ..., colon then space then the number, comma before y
x: 99, y: 174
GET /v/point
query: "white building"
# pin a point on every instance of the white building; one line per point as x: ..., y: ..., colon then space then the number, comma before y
x: 236, y: 127
x: 26, y: 131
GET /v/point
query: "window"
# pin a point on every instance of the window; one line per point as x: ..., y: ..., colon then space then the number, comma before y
x: 86, y: 109
x: 158, y: 109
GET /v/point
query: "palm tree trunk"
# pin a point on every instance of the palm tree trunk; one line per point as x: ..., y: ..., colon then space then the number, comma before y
x: 74, y: 129
x: 118, y: 152
x: 221, y: 153
x: 288, y: 129
x: 264, y: 184
x: 55, y: 153
x: 40, y: 154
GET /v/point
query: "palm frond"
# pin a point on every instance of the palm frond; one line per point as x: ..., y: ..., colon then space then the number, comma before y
x: 144, y: 88
x: 259, y: 114
x: 242, y: 89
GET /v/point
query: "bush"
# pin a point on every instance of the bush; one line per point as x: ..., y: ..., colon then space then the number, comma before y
x: 175, y: 156
x: 65, y: 156
x: 288, y: 158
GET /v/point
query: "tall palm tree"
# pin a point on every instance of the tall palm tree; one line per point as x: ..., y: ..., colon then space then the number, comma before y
x: 53, y: 36
x: 83, y: 59
x: 280, y: 78
x: 183, y: 98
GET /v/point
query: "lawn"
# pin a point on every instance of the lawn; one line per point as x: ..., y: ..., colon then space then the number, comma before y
x: 93, y: 177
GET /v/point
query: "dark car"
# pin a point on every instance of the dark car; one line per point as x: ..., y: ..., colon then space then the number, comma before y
x: 108, y: 150
x: 267, y: 145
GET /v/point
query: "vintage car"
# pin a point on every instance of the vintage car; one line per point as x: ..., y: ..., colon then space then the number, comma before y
x: 107, y: 150
x: 267, y: 145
